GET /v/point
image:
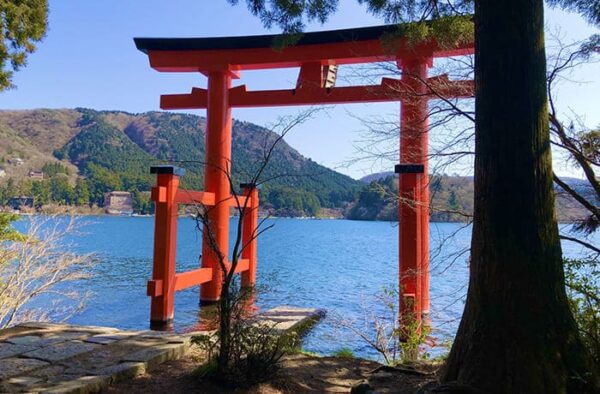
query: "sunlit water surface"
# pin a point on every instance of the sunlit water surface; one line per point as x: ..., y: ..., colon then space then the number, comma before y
x: 337, y: 265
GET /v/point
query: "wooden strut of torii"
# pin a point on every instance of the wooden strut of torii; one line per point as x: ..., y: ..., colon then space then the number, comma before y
x: 317, y: 55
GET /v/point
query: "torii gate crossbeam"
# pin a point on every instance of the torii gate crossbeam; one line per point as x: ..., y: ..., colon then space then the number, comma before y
x: 317, y: 55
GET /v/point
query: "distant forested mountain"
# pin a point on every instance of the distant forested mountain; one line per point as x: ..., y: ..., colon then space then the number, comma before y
x: 85, y: 153
x: 451, y: 198
x: 113, y: 150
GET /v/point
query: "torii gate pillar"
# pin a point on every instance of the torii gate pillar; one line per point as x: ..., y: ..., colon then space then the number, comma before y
x: 217, y: 173
x: 414, y: 190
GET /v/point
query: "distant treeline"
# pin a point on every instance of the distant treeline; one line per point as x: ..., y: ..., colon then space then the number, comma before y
x: 110, y: 157
x: 113, y: 151
x: 451, y: 200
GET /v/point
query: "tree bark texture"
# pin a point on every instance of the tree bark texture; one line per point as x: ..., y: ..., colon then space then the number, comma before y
x: 517, y: 334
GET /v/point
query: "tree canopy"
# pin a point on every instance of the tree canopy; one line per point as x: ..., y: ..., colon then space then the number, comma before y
x: 23, y: 23
x: 446, y: 21
x: 589, y: 9
x: 292, y: 16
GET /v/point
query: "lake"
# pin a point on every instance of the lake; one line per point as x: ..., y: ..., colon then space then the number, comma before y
x: 338, y: 265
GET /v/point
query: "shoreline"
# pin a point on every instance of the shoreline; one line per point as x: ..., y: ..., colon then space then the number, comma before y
x: 101, y: 213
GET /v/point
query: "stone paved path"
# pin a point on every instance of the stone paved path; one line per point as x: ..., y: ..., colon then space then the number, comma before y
x: 60, y: 358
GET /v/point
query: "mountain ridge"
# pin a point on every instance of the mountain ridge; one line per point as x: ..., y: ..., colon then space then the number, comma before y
x: 451, y: 198
x: 92, y: 152
x: 92, y: 143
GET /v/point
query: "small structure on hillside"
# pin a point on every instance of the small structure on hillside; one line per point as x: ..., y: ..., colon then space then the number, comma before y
x: 36, y: 175
x: 16, y: 161
x: 18, y: 203
x: 118, y: 203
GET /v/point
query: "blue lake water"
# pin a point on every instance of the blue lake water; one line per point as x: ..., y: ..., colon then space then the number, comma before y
x: 337, y: 265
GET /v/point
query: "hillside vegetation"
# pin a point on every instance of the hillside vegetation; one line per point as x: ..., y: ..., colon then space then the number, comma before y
x: 451, y: 199
x: 103, y: 151
x: 85, y: 153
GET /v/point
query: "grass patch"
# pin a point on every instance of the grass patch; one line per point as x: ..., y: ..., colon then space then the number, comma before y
x: 206, y: 369
x: 344, y: 352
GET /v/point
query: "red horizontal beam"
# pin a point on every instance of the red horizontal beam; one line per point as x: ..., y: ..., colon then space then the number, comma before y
x: 242, y: 265
x: 233, y: 202
x: 198, y: 96
x: 198, y: 99
x: 348, y: 52
x: 240, y: 97
x: 184, y: 196
x: 241, y: 200
x: 389, y: 90
x: 192, y: 278
x: 441, y: 86
x: 193, y: 197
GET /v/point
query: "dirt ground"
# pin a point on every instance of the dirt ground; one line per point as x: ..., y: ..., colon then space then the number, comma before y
x: 299, y: 374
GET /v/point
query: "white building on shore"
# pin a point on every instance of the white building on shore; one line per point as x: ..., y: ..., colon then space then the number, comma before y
x: 118, y: 203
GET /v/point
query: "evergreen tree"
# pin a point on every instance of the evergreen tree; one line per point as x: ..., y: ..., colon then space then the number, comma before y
x: 81, y: 192
x: 41, y: 192
x: 8, y: 191
x: 25, y: 187
x: 142, y: 203
x: 51, y: 169
x: 24, y: 23
x: 7, y: 232
x: 517, y: 333
x: 100, y: 181
x: 60, y: 190
x: 517, y: 321
x: 453, y: 201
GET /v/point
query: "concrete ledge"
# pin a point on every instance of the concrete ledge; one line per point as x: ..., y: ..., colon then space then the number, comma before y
x: 63, y: 358
x: 287, y: 318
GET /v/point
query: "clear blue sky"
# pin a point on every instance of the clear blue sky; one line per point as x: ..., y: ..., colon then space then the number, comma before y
x: 88, y: 59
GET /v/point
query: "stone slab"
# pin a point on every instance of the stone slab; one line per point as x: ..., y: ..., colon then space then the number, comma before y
x: 70, y: 327
x: 101, y: 339
x: 62, y: 358
x: 60, y: 351
x: 77, y: 359
x: 12, y: 350
x: 47, y: 339
x: 168, y: 337
x: 25, y: 381
x: 286, y: 318
x: 125, y: 370
x: 158, y: 354
x: 105, y: 339
x: 16, y: 366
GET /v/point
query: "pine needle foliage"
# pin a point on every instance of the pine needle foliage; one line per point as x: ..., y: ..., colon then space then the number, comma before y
x: 23, y: 23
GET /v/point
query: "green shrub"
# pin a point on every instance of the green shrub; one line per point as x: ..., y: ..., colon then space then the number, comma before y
x: 344, y: 353
x: 397, y: 340
x: 583, y: 288
x: 7, y: 232
x: 255, y: 353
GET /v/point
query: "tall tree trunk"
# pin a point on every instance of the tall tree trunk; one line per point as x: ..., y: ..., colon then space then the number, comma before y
x: 517, y: 334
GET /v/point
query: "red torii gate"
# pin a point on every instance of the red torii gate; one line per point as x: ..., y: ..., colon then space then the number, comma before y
x: 317, y: 55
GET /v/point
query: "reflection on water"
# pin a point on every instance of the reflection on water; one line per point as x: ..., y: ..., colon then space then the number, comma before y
x: 336, y: 265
